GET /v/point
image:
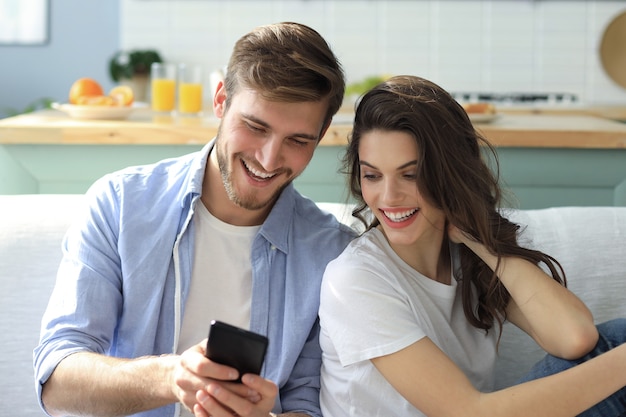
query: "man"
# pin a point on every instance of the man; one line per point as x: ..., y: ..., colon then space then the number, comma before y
x: 219, y: 234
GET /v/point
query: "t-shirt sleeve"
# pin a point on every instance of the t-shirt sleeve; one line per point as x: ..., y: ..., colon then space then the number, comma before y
x: 365, y: 311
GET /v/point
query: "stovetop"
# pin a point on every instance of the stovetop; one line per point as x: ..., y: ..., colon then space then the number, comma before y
x: 519, y: 99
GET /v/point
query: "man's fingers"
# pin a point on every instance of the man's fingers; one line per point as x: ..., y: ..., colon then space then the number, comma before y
x: 265, y: 387
x: 254, y: 397
x: 211, y: 404
x: 194, y: 361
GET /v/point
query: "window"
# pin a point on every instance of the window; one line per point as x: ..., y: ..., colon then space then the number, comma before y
x: 23, y: 22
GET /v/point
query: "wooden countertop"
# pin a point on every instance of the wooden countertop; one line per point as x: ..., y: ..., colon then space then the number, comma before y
x: 555, y: 131
x: 611, y: 112
x: 143, y: 128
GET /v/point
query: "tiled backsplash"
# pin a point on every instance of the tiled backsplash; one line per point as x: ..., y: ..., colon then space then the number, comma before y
x: 475, y: 45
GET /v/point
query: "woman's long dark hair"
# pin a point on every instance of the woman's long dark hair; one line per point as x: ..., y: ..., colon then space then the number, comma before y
x: 454, y: 176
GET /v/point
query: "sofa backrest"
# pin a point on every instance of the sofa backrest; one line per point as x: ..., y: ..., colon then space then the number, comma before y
x: 590, y: 242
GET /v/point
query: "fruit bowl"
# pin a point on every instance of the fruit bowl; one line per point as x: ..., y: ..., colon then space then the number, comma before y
x: 97, y: 112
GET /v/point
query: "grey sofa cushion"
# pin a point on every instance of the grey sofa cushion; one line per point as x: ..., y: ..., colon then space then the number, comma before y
x: 589, y: 241
x: 590, y: 244
x: 31, y: 229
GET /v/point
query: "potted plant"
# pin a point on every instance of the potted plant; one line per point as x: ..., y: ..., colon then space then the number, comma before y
x: 132, y: 68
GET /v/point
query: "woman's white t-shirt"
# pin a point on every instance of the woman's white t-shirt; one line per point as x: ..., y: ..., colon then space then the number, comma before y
x: 374, y: 304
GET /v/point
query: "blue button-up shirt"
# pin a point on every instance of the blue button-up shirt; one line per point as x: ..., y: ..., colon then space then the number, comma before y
x: 126, y: 272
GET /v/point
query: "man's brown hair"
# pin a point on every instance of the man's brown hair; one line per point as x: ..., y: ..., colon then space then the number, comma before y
x: 286, y: 62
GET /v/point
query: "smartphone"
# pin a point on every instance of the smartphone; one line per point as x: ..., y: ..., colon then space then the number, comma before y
x: 236, y: 347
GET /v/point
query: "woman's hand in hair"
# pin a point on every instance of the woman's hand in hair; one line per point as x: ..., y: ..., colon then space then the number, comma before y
x: 457, y: 235
x: 568, y: 333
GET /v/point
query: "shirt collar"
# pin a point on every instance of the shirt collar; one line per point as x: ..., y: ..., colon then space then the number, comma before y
x: 196, y: 174
x: 277, y: 225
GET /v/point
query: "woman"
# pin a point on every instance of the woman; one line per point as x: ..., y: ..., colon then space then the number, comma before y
x: 412, y: 311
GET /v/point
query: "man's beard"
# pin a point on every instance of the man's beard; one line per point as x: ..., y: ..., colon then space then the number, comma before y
x: 248, y: 201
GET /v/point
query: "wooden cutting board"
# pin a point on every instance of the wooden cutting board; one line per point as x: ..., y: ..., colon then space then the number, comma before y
x: 613, y: 50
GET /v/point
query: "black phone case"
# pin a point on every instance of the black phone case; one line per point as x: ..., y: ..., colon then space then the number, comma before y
x: 236, y: 347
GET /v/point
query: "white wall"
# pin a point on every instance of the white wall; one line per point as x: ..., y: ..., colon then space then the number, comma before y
x: 464, y: 45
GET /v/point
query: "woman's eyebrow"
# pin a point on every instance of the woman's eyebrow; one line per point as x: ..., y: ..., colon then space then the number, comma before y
x: 406, y: 165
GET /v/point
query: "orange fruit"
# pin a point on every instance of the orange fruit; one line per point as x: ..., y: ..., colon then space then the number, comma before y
x: 84, y: 87
x: 122, y: 95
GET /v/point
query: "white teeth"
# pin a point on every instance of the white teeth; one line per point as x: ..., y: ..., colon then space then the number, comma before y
x: 256, y: 173
x: 400, y: 216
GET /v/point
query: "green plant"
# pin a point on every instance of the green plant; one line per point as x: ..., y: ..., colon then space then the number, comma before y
x: 39, y: 104
x: 126, y: 64
x: 363, y: 86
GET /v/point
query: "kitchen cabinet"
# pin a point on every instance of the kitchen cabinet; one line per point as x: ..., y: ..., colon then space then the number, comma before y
x: 545, y: 159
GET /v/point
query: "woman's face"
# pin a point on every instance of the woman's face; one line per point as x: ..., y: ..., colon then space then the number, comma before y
x: 388, y: 172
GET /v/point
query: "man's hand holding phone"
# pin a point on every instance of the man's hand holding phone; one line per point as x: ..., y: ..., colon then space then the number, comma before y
x: 220, y: 374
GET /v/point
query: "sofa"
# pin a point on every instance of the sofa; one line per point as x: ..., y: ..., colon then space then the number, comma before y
x: 589, y: 241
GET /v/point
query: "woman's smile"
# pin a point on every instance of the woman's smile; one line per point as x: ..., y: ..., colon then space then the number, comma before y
x: 398, y: 218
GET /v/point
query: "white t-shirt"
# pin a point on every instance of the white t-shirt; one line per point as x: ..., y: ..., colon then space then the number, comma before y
x: 219, y: 290
x: 374, y: 304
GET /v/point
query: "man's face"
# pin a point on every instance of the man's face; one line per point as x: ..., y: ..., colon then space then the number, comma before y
x: 262, y: 145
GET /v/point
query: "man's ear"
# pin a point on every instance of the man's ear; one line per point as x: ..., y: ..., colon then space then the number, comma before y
x: 219, y: 100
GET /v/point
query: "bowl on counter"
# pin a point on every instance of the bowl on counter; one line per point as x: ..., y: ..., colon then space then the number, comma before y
x: 86, y: 112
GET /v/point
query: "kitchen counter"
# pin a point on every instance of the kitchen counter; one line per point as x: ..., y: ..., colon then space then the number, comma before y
x: 546, y: 160
x: 554, y: 131
x: 143, y: 128
x: 611, y: 112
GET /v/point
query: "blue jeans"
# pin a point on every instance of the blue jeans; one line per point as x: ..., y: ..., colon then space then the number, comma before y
x: 612, y: 334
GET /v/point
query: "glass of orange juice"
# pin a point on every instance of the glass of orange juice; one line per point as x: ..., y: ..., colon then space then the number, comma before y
x: 190, y: 80
x: 163, y: 86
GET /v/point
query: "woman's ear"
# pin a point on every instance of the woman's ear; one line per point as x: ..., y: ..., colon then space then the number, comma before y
x: 219, y: 100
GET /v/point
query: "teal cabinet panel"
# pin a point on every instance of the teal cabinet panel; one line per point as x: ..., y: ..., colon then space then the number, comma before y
x: 325, y: 165
x: 321, y: 180
x: 541, y: 177
x: 14, y: 178
x: 619, y: 196
x: 534, y: 177
x: 537, y: 197
x: 58, y: 169
x: 534, y: 166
